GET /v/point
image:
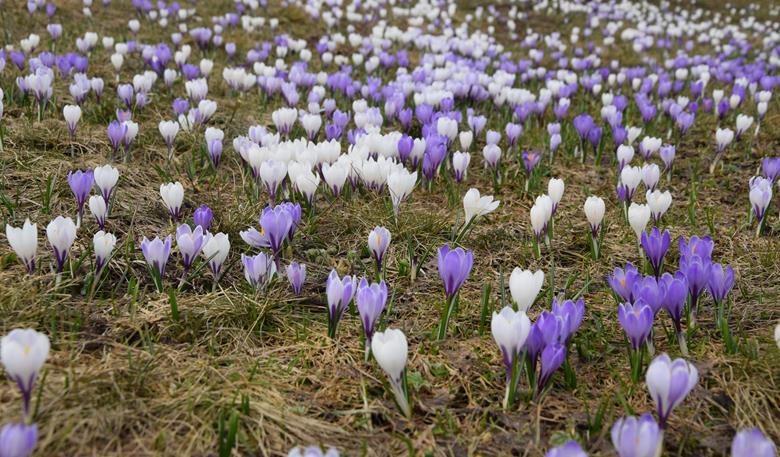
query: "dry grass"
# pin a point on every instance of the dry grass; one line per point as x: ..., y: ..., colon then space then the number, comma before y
x: 125, y: 379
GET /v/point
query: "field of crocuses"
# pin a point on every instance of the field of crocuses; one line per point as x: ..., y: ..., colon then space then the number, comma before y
x: 389, y: 227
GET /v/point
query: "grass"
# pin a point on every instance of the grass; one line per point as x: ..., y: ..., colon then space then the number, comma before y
x: 124, y: 378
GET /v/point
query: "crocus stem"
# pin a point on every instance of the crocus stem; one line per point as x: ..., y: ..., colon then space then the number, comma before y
x: 594, y: 244
x: 683, y: 344
x: 513, y: 377
x: 401, y: 395
x: 760, y: 226
x: 449, y: 307
x: 537, y: 248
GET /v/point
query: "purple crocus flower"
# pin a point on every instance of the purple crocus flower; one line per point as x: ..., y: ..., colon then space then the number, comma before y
x: 637, y: 321
x: 571, y: 313
x: 295, y: 213
x: 156, y: 253
x: 370, y: 300
x: 116, y: 134
x: 80, y: 183
x: 405, y: 144
x: 18, y: 440
x: 695, y: 265
x: 340, y: 292
x: 720, y: 282
x: 650, y: 291
x: 637, y: 437
x: 180, y: 106
x: 454, y: 268
x: 696, y: 246
x: 530, y: 159
x: 622, y: 281
x: 594, y: 137
x: 569, y: 449
x: 202, y: 217
x: 276, y: 224
x: 771, y: 167
x: 553, y: 357
x: 752, y: 443
x: 583, y: 124
x: 296, y: 274
x: 655, y: 246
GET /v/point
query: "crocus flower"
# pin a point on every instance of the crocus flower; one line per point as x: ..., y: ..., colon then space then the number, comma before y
x: 655, y: 246
x: 156, y: 253
x: 555, y: 188
x: 720, y: 282
x: 390, y: 350
x: 771, y: 167
x: 675, y: 290
x: 18, y: 440
x: 103, y: 244
x: 106, y: 178
x: 594, y: 211
x: 638, y: 217
x: 80, y: 183
x: 669, y: 382
x: 553, y: 357
x: 72, y: 114
x: 637, y: 321
x: 460, y: 164
x: 370, y: 300
x: 571, y: 313
x: 116, y: 134
x: 99, y: 209
x: 530, y: 159
x: 378, y: 242
x: 622, y: 281
x: 625, y: 153
x: 296, y: 274
x: 215, y: 251
x: 23, y: 353
x: 202, y: 217
x: 340, y: 292
x: 696, y: 268
x: 190, y: 242
x: 637, y: 437
x: 667, y: 154
x: 510, y: 329
x: 524, y: 286
x: 168, y: 130
x: 276, y: 224
x: 659, y: 203
x: 400, y: 184
x: 752, y: 443
x: 475, y: 205
x: 173, y: 196
x: 454, y: 268
x: 312, y: 451
x: 568, y: 449
x: 61, y: 233
x: 24, y: 242
x: 760, y: 197
x: 258, y: 269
